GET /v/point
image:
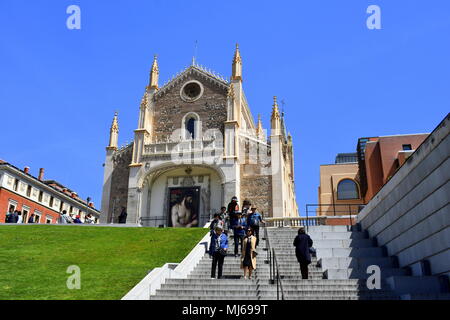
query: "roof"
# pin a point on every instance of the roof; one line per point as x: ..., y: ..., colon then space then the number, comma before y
x: 194, y: 68
x: 49, y: 183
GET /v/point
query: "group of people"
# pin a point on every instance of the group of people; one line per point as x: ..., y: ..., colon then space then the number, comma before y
x: 245, y: 226
x: 65, y: 218
x: 16, y: 216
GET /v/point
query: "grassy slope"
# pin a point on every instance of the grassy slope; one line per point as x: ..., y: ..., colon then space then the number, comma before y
x: 34, y: 259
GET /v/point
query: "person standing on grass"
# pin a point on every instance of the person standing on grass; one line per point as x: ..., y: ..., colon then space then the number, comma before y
x: 302, y: 243
x: 31, y: 218
x: 19, y: 217
x: 217, y: 251
x: 9, y: 214
x: 248, y: 259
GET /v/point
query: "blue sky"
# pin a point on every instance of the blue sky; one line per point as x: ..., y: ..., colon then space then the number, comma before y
x: 339, y: 80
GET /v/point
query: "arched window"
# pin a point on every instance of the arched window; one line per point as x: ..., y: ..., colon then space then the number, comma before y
x: 347, y: 189
x: 190, y: 128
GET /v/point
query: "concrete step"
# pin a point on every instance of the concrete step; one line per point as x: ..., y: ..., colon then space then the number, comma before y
x: 168, y: 297
x: 402, y: 285
x: 425, y: 296
x: 356, y: 263
x: 350, y: 252
x: 336, y: 243
x: 361, y: 273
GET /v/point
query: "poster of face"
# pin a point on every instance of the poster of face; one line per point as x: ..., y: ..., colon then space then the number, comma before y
x: 184, y: 207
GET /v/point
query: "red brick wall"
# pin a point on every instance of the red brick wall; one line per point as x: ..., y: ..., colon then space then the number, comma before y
x: 331, y: 221
x: 6, y: 195
x: 381, y: 159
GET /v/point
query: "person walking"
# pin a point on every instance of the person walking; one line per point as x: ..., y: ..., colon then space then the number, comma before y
x: 217, y: 251
x: 217, y: 222
x: 302, y: 243
x: 239, y: 227
x: 233, y: 207
x: 248, y: 259
x: 77, y: 219
x: 123, y: 216
x: 253, y: 220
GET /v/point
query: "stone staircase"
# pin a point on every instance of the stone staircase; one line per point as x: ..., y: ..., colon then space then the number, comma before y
x: 232, y: 286
x: 343, y: 256
x: 339, y: 272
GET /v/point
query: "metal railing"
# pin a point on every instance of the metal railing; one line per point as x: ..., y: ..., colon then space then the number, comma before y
x: 274, y: 269
x: 334, y: 209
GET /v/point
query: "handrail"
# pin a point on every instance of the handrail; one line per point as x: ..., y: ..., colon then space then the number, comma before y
x: 274, y: 269
x: 278, y: 277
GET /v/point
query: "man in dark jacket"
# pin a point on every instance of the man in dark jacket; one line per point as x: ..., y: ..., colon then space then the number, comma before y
x: 302, y: 244
x: 123, y: 216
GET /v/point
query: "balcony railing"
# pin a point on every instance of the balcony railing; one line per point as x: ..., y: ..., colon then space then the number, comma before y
x: 295, y: 221
x: 186, y: 146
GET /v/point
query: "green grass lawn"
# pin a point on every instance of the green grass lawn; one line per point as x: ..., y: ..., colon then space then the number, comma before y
x: 34, y: 259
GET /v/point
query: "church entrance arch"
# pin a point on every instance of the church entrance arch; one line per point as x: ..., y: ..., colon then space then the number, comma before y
x: 181, y: 196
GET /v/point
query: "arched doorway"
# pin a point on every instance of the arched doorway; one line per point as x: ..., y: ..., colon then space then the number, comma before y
x: 181, y: 196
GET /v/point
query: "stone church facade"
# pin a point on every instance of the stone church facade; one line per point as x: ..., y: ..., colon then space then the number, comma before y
x: 196, y: 146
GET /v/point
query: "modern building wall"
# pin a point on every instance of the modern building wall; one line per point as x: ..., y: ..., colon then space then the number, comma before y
x: 330, y: 176
x: 410, y: 215
x: 384, y: 155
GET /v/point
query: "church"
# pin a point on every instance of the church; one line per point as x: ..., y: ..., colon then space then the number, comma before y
x: 196, y: 146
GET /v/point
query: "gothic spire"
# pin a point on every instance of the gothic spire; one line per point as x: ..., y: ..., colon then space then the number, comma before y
x: 237, y: 65
x: 275, y: 119
x: 154, y: 74
x: 114, y: 133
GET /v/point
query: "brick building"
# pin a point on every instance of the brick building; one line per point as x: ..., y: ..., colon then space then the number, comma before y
x: 196, y: 146
x: 34, y: 195
x: 355, y: 178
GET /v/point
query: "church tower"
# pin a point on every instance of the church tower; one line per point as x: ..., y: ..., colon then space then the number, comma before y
x: 109, y: 167
x: 276, y: 139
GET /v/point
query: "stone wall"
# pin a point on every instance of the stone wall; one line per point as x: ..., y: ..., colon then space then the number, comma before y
x: 119, y: 181
x: 170, y: 108
x: 410, y: 215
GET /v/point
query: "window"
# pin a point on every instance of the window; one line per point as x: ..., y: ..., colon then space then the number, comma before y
x: 48, y: 219
x: 25, y: 212
x: 347, y: 189
x: 41, y: 194
x: 406, y: 147
x: 61, y: 206
x: 190, y: 128
x: 37, y: 217
x: 16, y: 184
x: 28, y: 191
x: 51, y: 202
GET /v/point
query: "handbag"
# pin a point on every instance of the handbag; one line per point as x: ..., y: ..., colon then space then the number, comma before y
x: 222, y: 251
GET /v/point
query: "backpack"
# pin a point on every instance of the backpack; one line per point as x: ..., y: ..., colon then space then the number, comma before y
x: 254, y: 220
